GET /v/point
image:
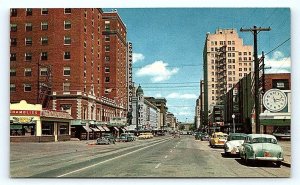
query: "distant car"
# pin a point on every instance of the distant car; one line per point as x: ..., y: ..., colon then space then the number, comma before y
x: 204, y: 137
x: 103, y: 141
x: 261, y: 147
x: 234, y: 141
x: 126, y: 137
x: 110, y: 137
x: 176, y: 135
x: 218, y: 139
x: 198, y: 135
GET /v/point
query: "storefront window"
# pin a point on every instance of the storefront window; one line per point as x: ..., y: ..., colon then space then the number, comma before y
x: 63, y: 129
x: 47, y: 129
x: 22, y: 130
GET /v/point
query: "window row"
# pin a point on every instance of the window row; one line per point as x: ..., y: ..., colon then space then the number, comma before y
x: 215, y: 43
x: 28, y: 11
x: 245, y: 53
x: 245, y: 59
x: 43, y: 41
x: 44, y: 26
x: 43, y: 71
x: 43, y: 56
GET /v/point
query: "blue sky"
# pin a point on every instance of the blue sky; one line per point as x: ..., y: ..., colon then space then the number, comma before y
x: 168, y: 45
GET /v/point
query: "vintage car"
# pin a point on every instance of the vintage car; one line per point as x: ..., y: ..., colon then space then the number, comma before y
x: 176, y: 135
x: 261, y: 147
x: 126, y: 137
x: 198, y: 135
x: 218, y: 139
x: 204, y: 137
x: 234, y: 141
x: 146, y: 135
x: 110, y: 137
x: 103, y: 141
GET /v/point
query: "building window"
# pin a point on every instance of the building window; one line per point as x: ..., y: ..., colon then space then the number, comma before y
x: 63, y: 128
x: 13, y: 41
x: 245, y: 58
x: 13, y: 27
x: 250, y: 58
x: 107, y: 25
x: 67, y: 40
x: 107, y: 48
x: 229, y: 48
x: 13, y: 12
x: 240, y: 74
x: 44, y: 11
x: 240, y: 69
x: 233, y: 48
x: 212, y: 79
x: 93, y: 22
x: 66, y: 87
x: 107, y: 70
x: 28, y: 27
x: 13, y: 56
x: 27, y: 87
x: 245, y: 53
x: 233, y: 60
x: 212, y: 98
x: 13, y: 72
x: 233, y: 42
x: 28, y: 11
x: 44, y: 25
x: 47, y: 128
x: 107, y: 38
x: 67, y: 25
x: 67, y: 10
x: 211, y: 49
x: 106, y: 79
x: 229, y: 42
x: 67, y: 55
x: 43, y: 71
x: 28, y: 41
x: 67, y: 71
x: 229, y: 54
x: 249, y: 68
x: 85, y: 14
x: 44, y: 56
x: 44, y: 40
x: 28, y: 56
x: 84, y: 44
x: 27, y: 72
x: 107, y: 58
x: 12, y: 87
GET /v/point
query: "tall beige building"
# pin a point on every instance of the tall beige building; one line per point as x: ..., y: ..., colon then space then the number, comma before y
x: 226, y: 60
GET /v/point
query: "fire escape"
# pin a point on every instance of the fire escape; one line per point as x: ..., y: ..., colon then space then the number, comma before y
x: 221, y: 74
x: 44, y: 85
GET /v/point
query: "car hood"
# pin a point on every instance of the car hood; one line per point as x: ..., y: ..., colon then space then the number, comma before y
x: 262, y: 147
x: 235, y: 142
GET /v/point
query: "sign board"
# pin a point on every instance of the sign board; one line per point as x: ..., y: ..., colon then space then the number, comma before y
x: 25, y: 113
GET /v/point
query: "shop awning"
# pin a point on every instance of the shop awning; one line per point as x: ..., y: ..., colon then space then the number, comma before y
x: 95, y: 129
x: 116, y: 129
x: 101, y: 129
x: 105, y: 128
x: 275, y: 122
x: 87, y: 129
x: 123, y: 129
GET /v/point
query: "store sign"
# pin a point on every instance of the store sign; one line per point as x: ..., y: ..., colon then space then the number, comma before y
x: 55, y: 114
x: 21, y: 120
x: 25, y: 112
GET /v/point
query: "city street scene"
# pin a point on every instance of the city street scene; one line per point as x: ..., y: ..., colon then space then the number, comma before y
x: 150, y: 92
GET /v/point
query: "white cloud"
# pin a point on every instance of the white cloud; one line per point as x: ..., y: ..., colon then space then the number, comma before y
x: 278, y: 63
x: 158, y: 95
x: 184, y: 113
x: 137, y: 57
x: 182, y: 96
x: 157, y: 71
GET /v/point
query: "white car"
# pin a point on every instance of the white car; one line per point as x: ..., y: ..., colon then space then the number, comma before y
x: 234, y: 141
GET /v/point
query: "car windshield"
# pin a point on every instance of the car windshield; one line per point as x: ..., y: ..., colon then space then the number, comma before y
x: 264, y: 140
x: 222, y: 136
x: 231, y: 138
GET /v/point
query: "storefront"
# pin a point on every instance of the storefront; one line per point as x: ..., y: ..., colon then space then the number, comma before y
x: 30, y: 123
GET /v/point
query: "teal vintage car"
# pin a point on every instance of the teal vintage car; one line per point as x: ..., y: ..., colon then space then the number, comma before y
x: 261, y: 147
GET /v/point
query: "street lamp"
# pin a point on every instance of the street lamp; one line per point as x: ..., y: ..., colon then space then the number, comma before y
x: 233, y: 116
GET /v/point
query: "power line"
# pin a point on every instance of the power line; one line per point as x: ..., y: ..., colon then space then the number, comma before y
x: 278, y: 46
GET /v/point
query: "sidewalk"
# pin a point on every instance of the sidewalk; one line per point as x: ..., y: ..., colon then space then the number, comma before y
x: 286, y: 147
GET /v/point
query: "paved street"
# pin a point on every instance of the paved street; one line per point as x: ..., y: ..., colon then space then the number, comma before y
x: 158, y: 157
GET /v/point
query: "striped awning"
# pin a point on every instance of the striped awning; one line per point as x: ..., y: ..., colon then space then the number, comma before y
x: 95, y: 129
x: 101, y: 129
x: 105, y: 128
x: 116, y: 129
x: 87, y: 129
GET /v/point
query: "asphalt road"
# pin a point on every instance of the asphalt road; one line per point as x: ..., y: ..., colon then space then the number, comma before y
x: 157, y: 157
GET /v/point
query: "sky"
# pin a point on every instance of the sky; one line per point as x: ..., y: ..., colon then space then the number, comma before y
x: 168, y: 47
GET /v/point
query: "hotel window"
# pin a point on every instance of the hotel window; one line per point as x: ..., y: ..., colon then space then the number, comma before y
x: 233, y: 60
x: 229, y: 66
x: 27, y: 72
x: 240, y: 74
x: 28, y: 56
x: 67, y: 55
x: 233, y: 72
x: 213, y: 98
x: 107, y: 79
x: 84, y: 29
x: 13, y: 27
x: 240, y: 58
x: 229, y: 54
x: 85, y: 14
x: 44, y: 40
x: 28, y: 41
x: 229, y: 73
x: 98, y: 29
x: 107, y: 48
x: 13, y: 72
x: 249, y: 58
x: 233, y: 66
x: 233, y: 42
x: 212, y: 79
x: 107, y: 70
x: 92, y: 36
x: 230, y: 85
x: 245, y: 58
x: 245, y: 74
x: 67, y: 40
x: 67, y: 25
x: 107, y: 58
x: 28, y: 27
x: 249, y: 68
x: 84, y: 44
x: 27, y: 87
x: 212, y: 67
x: 245, y: 53
x: 66, y: 87
x: 12, y: 87
x: 212, y: 61
x: 212, y: 73
x: 213, y: 85
x: 44, y: 25
x: 93, y: 22
x: 28, y: 11
x: 107, y: 25
x: 107, y: 38
x: 13, y: 41
x: 229, y: 42
x: 43, y: 71
x: 67, y: 71
x: 229, y: 60
x: 212, y: 92
x: 211, y: 49
x: 233, y: 48
x: 98, y: 42
x: 250, y: 53
x: 67, y: 10
x: 212, y: 43
x: 44, y: 11
x: 233, y: 54
x: 240, y: 53
x: 13, y: 56
x: 240, y: 69
x: 13, y: 12
x: 44, y: 56
x: 229, y: 48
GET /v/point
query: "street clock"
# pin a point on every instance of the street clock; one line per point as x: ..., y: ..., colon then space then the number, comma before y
x: 274, y: 100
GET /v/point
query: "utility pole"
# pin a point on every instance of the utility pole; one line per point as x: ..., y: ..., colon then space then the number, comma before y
x: 255, y: 31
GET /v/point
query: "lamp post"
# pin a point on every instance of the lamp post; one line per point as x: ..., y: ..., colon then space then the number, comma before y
x: 233, y: 116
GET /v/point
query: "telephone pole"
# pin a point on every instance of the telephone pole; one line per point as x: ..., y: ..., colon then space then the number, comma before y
x: 255, y: 31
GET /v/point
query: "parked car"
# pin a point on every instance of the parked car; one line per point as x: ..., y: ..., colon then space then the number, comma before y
x: 218, y: 139
x: 176, y: 135
x: 102, y: 141
x: 110, y: 137
x: 234, y: 141
x: 204, y: 137
x: 126, y: 137
x: 261, y: 147
x: 198, y: 135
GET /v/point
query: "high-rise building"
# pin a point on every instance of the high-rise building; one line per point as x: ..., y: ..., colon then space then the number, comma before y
x: 226, y: 60
x: 70, y: 59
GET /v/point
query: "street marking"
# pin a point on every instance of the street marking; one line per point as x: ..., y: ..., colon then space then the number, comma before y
x: 157, y: 165
x: 112, y: 158
x: 166, y: 156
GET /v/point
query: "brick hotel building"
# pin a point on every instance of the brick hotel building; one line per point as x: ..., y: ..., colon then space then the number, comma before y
x: 72, y: 60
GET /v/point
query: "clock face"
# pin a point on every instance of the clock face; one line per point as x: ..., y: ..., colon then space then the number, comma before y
x: 274, y: 100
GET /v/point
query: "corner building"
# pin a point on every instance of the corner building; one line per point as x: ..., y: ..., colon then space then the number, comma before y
x: 59, y: 58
